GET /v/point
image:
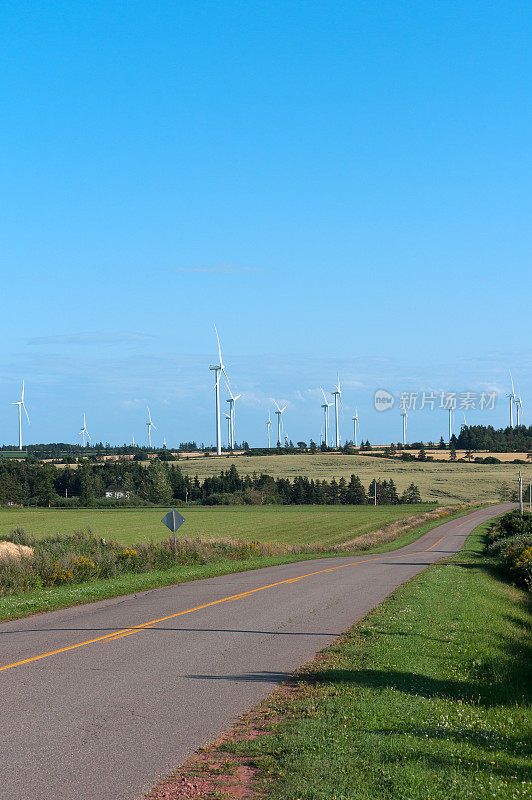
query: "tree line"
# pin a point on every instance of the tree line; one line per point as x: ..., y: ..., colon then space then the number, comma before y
x: 502, y: 440
x: 162, y: 483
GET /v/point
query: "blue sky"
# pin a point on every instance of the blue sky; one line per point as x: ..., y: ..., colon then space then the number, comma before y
x: 341, y: 187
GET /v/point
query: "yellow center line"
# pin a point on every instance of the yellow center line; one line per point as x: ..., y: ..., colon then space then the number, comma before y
x: 146, y: 625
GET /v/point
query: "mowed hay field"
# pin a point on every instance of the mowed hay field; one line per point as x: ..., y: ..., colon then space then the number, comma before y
x: 441, y: 483
x: 289, y: 524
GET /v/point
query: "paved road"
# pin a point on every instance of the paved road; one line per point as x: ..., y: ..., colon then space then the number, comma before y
x: 105, y: 720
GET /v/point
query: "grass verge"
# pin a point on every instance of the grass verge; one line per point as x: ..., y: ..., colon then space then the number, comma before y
x: 427, y: 697
x: 53, y: 598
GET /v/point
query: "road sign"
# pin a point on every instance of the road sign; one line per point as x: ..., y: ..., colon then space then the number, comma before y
x: 173, y: 520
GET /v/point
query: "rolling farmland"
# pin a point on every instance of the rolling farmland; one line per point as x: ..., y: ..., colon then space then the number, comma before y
x: 438, y: 482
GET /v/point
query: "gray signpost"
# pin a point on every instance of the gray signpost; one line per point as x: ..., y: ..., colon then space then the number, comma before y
x: 173, y: 520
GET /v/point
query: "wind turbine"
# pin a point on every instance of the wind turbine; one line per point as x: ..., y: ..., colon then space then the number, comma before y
x: 405, y: 422
x: 268, y: 426
x: 279, y: 413
x: 232, y: 400
x: 20, y: 404
x: 84, y: 432
x: 337, y: 394
x: 355, y: 426
x: 150, y: 425
x: 218, y: 368
x: 511, y: 397
x: 325, y: 405
x: 518, y: 408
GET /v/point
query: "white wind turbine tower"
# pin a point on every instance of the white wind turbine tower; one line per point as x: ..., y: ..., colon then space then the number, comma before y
x: 218, y: 368
x: 518, y: 408
x: 228, y: 418
x: 511, y: 398
x: 279, y: 413
x: 20, y: 404
x: 268, y: 426
x: 405, y: 422
x: 150, y: 425
x: 337, y: 394
x: 355, y: 426
x: 84, y: 432
x: 232, y: 401
x: 325, y: 405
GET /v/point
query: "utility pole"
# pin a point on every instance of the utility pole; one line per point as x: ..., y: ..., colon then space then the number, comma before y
x: 520, y: 493
x: 530, y: 495
x: 375, y: 492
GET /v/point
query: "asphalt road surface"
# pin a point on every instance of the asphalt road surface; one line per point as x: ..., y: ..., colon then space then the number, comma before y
x: 100, y: 701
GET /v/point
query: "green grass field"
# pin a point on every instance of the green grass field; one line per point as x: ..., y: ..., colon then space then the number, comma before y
x: 290, y: 524
x: 438, y: 482
x: 411, y: 705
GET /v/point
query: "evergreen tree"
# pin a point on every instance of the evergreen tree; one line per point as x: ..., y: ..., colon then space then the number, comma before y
x: 46, y: 493
x: 10, y: 489
x: 86, y: 497
x: 372, y: 488
x: 393, y: 497
x: 411, y: 495
x: 355, y: 494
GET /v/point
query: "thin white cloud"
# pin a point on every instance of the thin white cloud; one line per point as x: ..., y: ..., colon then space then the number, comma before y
x: 118, y: 337
x: 218, y: 269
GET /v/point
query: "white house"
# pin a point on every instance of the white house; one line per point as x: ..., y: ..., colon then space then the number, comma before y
x: 116, y: 492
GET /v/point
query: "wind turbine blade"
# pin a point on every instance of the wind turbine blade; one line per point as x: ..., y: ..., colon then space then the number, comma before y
x: 276, y: 405
x: 236, y: 398
x: 22, y: 397
x: 323, y: 393
x: 227, y: 381
x: 219, y: 348
x: 282, y: 409
x: 88, y: 434
x: 154, y: 426
x: 512, y: 380
x: 149, y: 415
x: 27, y: 415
